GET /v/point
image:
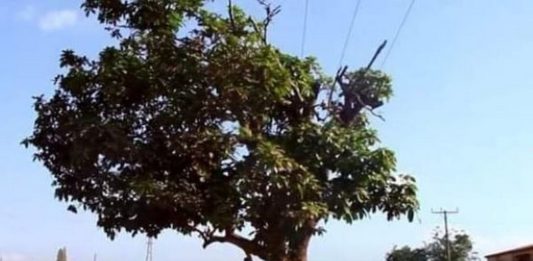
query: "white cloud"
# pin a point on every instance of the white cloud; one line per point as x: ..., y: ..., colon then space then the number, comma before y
x: 57, y: 20
x: 27, y: 14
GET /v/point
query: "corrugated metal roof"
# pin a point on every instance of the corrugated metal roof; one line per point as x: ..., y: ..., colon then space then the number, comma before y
x: 518, y: 249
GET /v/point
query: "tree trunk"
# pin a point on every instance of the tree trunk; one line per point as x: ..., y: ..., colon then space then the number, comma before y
x: 297, y: 252
x: 299, y: 258
x: 297, y: 248
x: 302, y: 257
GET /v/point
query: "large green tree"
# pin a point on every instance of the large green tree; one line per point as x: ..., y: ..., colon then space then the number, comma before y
x: 194, y: 122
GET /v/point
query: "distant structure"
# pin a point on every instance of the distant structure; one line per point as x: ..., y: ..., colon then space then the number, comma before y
x: 524, y: 253
x: 149, y: 249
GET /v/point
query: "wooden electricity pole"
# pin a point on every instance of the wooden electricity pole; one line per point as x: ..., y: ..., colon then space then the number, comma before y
x: 445, y: 213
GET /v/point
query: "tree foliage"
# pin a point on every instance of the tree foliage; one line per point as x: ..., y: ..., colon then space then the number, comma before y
x: 62, y: 254
x: 407, y: 254
x: 209, y: 129
x: 461, y: 249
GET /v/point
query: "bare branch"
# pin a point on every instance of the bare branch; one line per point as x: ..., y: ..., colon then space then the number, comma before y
x: 270, y: 14
x: 256, y: 29
x: 338, y: 79
x: 376, y: 54
x: 352, y: 93
x: 376, y: 115
x: 230, y: 14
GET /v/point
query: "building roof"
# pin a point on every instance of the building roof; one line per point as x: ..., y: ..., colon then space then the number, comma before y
x: 518, y: 249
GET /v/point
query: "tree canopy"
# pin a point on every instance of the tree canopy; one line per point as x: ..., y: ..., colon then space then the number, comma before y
x: 194, y: 122
x: 62, y: 254
x: 461, y: 249
x: 407, y: 254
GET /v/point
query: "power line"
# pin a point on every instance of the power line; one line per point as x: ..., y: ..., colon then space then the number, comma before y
x: 445, y: 213
x: 398, y: 31
x: 350, y: 30
x: 304, y: 31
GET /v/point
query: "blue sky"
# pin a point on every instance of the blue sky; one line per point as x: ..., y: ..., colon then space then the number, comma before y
x: 460, y: 121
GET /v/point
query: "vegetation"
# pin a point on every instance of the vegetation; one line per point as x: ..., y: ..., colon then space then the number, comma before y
x: 407, y: 254
x: 461, y: 247
x: 194, y: 122
x: 62, y: 254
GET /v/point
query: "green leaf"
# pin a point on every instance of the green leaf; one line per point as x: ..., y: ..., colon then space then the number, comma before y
x: 72, y: 209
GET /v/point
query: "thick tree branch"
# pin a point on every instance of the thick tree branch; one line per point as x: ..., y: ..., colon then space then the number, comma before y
x: 353, y: 102
x: 338, y: 79
x: 270, y: 14
x: 257, y: 30
x: 248, y: 246
x: 376, y: 54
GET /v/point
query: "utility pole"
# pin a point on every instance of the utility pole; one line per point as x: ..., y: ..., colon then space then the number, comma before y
x: 149, y: 249
x: 445, y: 213
x: 94, y: 259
